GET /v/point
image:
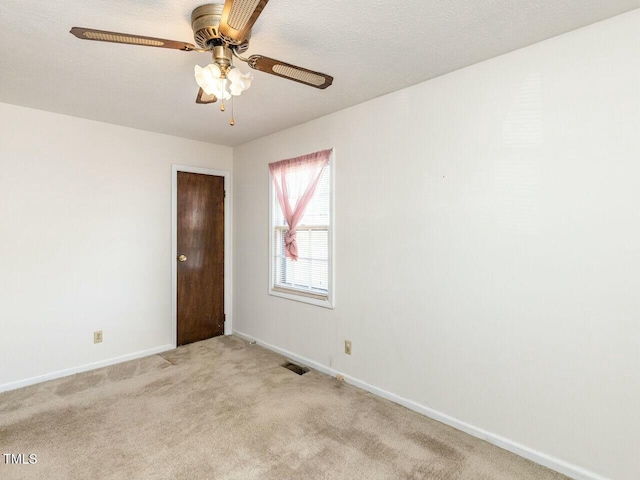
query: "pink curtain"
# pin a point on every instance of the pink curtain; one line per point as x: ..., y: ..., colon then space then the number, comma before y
x: 308, y: 170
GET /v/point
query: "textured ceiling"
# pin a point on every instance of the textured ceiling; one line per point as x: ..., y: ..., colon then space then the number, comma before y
x: 371, y: 47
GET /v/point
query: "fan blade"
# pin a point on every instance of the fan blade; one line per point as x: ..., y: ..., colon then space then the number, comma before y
x: 205, y: 98
x: 291, y: 72
x: 238, y: 17
x: 115, y: 37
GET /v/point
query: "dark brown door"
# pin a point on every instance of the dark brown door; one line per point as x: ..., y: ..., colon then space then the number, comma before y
x: 200, y: 257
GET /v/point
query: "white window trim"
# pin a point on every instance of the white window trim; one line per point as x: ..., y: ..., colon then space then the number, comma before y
x: 301, y: 296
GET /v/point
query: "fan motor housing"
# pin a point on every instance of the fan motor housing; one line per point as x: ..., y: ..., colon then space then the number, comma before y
x: 205, y: 21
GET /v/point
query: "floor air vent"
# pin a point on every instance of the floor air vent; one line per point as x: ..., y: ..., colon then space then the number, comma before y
x: 295, y: 368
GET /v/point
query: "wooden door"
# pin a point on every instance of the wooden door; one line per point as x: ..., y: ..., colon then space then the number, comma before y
x: 200, y: 257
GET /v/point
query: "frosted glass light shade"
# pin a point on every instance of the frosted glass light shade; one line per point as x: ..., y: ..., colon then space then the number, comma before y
x: 235, y: 90
x: 208, y: 78
x: 239, y: 81
x: 220, y: 89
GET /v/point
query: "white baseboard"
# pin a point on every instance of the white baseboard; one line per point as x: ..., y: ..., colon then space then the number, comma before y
x: 83, y: 368
x: 540, y: 458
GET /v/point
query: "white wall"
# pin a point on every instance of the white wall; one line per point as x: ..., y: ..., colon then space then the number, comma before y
x: 488, y: 246
x: 85, y: 239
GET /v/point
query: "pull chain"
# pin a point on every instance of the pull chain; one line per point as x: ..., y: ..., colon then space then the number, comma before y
x: 222, y: 94
x: 232, y: 122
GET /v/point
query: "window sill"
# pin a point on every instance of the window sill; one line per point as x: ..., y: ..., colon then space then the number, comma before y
x: 298, y: 296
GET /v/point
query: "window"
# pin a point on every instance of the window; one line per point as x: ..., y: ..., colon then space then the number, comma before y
x: 309, y: 278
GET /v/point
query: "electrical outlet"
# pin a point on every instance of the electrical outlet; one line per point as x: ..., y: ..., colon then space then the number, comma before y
x: 347, y: 347
x: 97, y: 336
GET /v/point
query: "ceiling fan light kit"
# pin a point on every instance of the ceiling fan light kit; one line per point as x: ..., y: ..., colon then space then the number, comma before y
x: 224, y: 31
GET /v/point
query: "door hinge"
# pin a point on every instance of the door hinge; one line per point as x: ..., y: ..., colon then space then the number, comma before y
x: 225, y: 194
x: 224, y: 317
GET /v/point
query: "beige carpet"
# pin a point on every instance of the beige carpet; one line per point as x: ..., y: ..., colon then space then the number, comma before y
x: 222, y: 409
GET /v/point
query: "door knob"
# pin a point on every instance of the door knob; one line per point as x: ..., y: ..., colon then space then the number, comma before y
x: 182, y: 258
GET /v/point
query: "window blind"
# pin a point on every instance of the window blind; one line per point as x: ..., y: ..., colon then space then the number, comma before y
x: 310, y: 273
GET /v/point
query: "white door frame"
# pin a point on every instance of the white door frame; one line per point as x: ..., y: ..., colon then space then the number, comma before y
x: 228, y: 271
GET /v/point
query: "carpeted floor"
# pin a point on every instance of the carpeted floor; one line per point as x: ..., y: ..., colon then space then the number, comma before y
x: 222, y: 409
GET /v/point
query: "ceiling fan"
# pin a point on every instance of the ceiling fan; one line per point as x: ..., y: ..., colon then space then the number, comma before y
x: 225, y: 32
